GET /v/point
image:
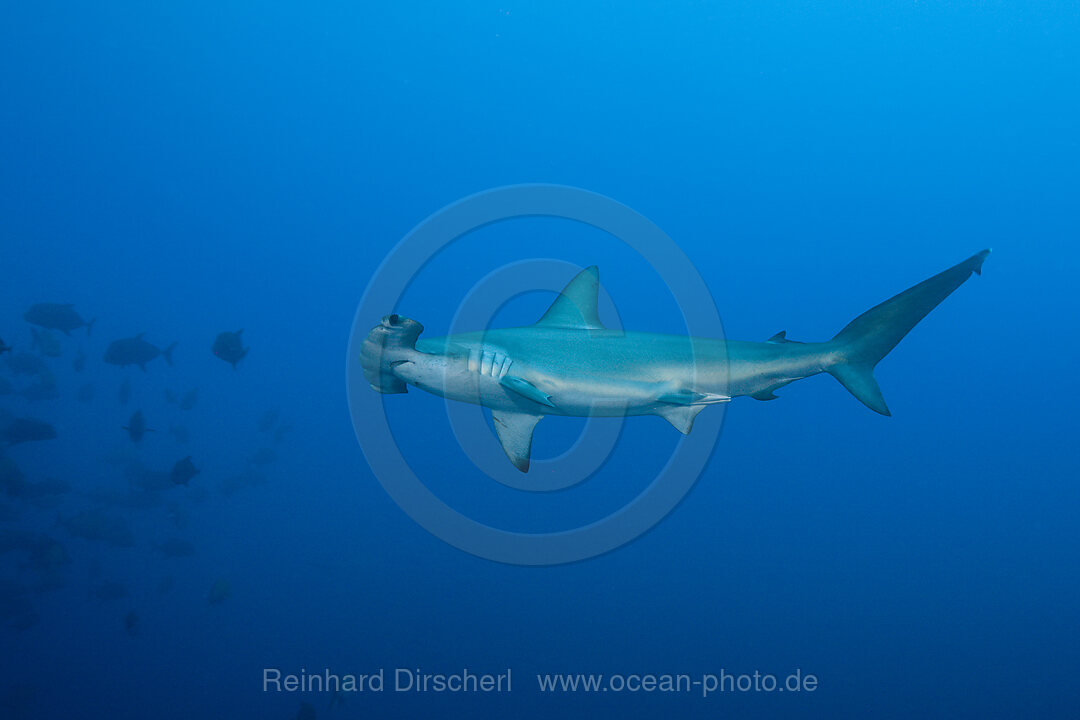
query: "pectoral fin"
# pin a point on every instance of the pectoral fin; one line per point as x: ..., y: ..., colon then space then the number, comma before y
x: 526, y: 389
x: 515, y: 431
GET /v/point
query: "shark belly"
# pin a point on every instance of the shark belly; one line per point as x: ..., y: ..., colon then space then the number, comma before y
x: 583, y: 373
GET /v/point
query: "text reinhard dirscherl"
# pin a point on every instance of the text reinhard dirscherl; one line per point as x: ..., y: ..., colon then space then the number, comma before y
x: 412, y: 680
x: 400, y: 680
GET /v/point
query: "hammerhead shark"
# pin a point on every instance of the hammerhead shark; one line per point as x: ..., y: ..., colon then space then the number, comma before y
x: 569, y: 364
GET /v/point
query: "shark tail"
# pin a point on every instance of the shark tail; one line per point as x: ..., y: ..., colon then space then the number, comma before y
x: 871, y: 336
x: 167, y: 352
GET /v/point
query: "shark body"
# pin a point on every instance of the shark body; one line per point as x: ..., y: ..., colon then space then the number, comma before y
x: 569, y: 364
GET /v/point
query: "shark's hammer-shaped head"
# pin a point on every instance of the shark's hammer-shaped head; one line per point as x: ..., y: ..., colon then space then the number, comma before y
x: 389, y: 344
x: 391, y: 362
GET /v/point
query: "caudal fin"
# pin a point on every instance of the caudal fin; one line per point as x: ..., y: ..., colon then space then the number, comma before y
x: 168, y: 353
x: 869, y: 337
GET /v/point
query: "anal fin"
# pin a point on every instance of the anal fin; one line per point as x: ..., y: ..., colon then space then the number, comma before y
x: 769, y: 393
x: 515, y: 431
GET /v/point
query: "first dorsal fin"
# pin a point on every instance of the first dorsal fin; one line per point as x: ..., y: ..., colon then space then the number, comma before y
x: 576, y: 305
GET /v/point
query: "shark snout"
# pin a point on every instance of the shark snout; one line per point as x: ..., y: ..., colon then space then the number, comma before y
x: 389, y: 343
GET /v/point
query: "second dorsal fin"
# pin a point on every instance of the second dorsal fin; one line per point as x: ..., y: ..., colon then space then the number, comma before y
x: 781, y: 337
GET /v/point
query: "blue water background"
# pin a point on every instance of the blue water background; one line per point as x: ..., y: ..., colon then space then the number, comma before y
x: 181, y: 169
